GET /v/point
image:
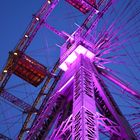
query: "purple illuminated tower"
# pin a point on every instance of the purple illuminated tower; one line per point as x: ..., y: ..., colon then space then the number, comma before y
x: 81, y: 104
x: 80, y: 107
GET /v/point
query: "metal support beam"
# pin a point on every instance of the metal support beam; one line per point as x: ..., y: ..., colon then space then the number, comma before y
x: 61, y: 131
x: 120, y: 83
x: 40, y: 94
x: 3, y: 137
x: 59, y: 33
x: 39, y: 121
x: 64, y: 131
x: 109, y: 108
x: 17, y: 102
x: 84, y: 125
x: 99, y: 16
x: 51, y: 119
x: 43, y: 108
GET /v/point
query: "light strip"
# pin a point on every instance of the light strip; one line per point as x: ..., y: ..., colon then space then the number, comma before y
x: 66, y: 84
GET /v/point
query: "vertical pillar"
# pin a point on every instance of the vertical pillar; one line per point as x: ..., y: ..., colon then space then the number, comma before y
x: 84, y: 125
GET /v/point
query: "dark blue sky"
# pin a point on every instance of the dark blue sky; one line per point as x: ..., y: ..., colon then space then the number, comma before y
x: 15, y: 16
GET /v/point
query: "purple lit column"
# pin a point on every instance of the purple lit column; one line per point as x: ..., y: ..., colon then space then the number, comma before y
x: 84, y: 124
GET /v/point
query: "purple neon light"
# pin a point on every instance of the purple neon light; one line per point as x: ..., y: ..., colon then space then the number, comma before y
x: 66, y: 84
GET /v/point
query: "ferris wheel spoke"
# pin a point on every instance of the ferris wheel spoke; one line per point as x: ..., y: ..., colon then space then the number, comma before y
x: 120, y: 83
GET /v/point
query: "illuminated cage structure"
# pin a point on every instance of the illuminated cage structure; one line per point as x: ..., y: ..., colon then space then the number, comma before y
x: 83, y: 5
x: 28, y: 69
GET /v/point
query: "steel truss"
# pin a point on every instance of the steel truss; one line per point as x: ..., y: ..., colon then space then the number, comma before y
x: 86, y: 86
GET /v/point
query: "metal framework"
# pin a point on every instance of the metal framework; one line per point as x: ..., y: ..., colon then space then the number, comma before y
x: 17, y: 102
x: 80, y: 106
x: 3, y: 137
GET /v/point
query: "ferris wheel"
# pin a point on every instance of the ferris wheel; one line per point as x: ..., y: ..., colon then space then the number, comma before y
x: 40, y: 89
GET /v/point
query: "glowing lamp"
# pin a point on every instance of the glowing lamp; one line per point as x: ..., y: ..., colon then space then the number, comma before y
x: 37, y: 18
x: 15, y: 53
x: 49, y: 1
x: 5, y: 71
x: 26, y: 35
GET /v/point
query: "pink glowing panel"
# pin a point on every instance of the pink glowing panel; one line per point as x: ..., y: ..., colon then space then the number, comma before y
x: 82, y: 50
x: 70, y: 59
x: 63, y: 66
x: 73, y: 56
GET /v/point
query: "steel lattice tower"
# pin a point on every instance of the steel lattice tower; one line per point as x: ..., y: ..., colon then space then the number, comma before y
x: 80, y: 106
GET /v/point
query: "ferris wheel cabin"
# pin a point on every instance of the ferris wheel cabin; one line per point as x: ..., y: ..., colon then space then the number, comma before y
x: 83, y: 5
x: 29, y: 69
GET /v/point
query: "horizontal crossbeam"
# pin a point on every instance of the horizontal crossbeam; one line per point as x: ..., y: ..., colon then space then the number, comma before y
x: 3, y: 137
x: 17, y: 101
